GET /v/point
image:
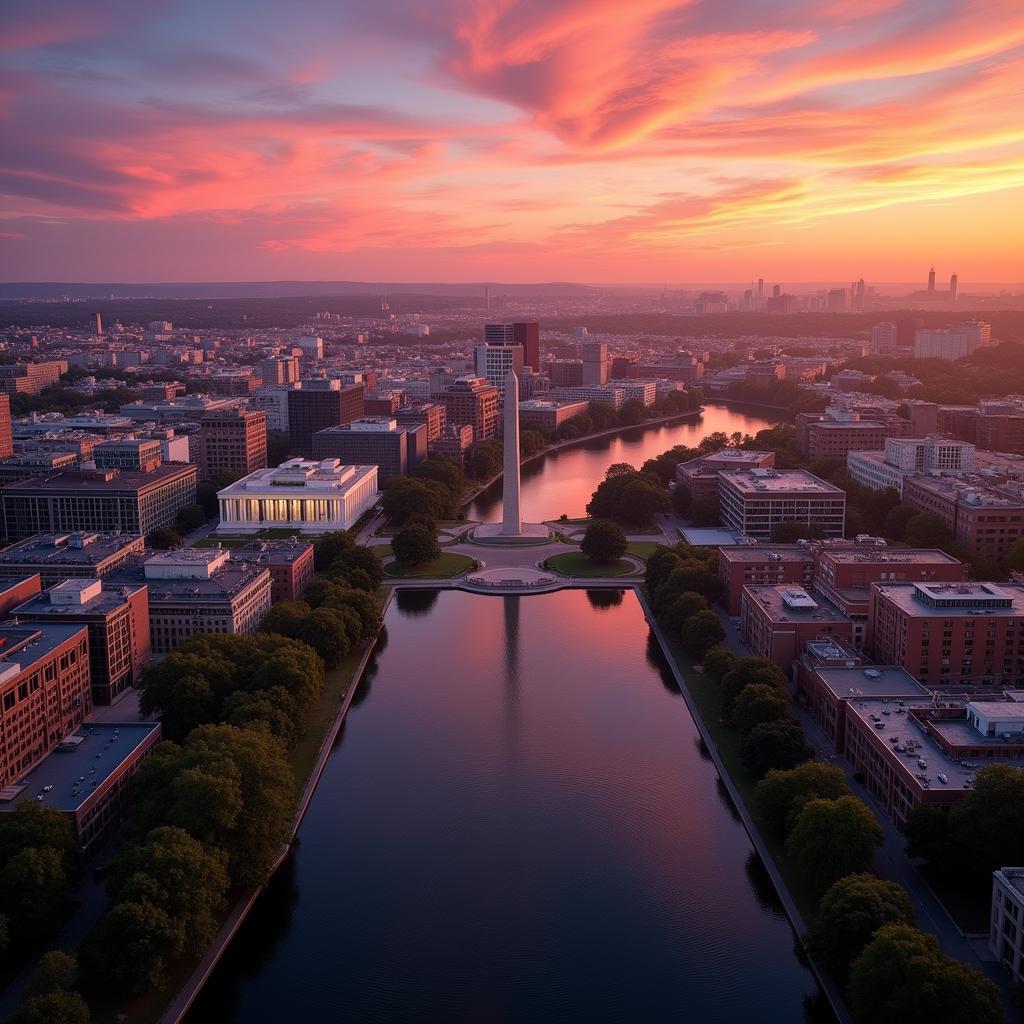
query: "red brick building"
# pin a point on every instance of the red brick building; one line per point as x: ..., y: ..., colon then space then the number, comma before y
x: 232, y: 441
x: 6, y: 442
x: 290, y: 563
x: 778, y: 621
x: 44, y: 691
x: 748, y: 565
x: 967, y: 634
x: 17, y: 590
x: 472, y: 400
x: 700, y: 476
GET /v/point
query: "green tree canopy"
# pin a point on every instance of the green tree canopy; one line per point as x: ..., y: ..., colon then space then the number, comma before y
x: 405, y: 497
x: 759, y: 703
x: 604, y: 541
x: 629, y: 498
x: 778, y: 744
x: 681, y: 609
x: 164, y: 538
x: 780, y: 795
x: 55, y: 1008
x: 746, y: 671
x: 833, y: 838
x: 416, y: 543
x: 445, y: 470
x: 330, y: 546
x: 902, y: 975
x: 700, y: 632
x: 717, y: 662
x: 57, y: 972
x: 852, y: 910
x: 927, y: 530
x: 130, y: 947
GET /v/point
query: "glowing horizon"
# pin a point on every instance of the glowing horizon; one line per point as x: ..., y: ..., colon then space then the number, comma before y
x: 586, y: 140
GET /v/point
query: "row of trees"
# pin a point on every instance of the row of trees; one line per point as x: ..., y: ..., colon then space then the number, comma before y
x: 604, y: 416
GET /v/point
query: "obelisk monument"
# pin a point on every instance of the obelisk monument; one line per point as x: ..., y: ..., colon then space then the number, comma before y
x: 512, y: 519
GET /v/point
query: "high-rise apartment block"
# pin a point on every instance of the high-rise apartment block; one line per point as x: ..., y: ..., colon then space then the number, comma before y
x: 956, y: 343
x: 595, y: 363
x: 30, y: 378
x: 278, y: 370
x: 493, y: 363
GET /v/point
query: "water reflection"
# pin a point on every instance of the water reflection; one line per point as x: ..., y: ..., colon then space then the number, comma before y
x: 415, y: 602
x: 605, y: 598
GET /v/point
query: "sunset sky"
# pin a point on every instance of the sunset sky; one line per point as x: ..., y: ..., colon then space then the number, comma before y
x: 593, y: 140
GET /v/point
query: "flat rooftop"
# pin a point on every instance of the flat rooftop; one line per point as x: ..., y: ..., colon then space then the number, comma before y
x: 27, y: 644
x: 969, y: 599
x: 787, y: 602
x: 225, y: 584
x: 68, y: 549
x: 727, y: 458
x: 710, y: 536
x: 864, y: 425
x: 870, y: 554
x: 271, y: 552
x: 105, y: 481
x: 766, y: 553
x: 72, y: 775
x: 767, y: 482
x: 871, y: 681
x: 108, y: 600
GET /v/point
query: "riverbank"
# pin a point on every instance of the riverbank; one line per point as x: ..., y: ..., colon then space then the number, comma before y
x: 575, y: 442
x: 789, y: 903
x: 187, y: 995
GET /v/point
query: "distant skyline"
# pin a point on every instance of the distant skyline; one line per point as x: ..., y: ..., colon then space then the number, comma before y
x: 589, y: 141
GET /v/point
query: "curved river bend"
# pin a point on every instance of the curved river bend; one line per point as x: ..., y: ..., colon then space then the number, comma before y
x: 517, y: 824
x: 563, y: 481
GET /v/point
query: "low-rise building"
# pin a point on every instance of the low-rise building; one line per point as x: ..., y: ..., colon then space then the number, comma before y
x: 753, y: 501
x: 778, y: 621
x: 99, y: 501
x: 454, y: 440
x: 374, y: 441
x: 198, y: 590
x: 700, y: 476
x: 118, y: 623
x: 29, y: 465
x: 748, y: 565
x: 962, y: 635
x: 62, y: 556
x: 44, y: 691
x: 430, y: 414
x: 87, y: 778
x: 289, y: 562
x: 905, y: 457
x: 1006, y: 926
x: 306, y: 496
x: 547, y: 415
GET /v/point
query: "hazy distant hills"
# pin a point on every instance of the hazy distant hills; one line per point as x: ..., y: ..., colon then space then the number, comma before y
x: 47, y: 290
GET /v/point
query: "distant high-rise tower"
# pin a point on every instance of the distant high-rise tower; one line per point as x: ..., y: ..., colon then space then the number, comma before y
x: 526, y: 335
x: 760, y: 291
x: 776, y: 291
x: 99, y: 324
x: 931, y: 280
x: 954, y: 286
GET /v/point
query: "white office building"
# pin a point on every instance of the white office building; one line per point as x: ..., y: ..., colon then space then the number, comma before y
x: 303, y: 495
x: 909, y: 456
x: 1006, y: 929
x: 493, y: 363
x: 956, y: 343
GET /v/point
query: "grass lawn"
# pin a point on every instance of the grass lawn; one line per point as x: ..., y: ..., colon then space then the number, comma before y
x: 575, y: 563
x: 445, y: 567
x: 382, y: 550
x: 642, y: 548
x: 706, y: 696
x: 226, y: 540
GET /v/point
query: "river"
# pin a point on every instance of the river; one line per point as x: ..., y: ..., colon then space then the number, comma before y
x: 564, y: 481
x: 518, y: 824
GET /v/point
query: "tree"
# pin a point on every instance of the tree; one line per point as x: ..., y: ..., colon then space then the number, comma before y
x: 705, y: 512
x: 33, y: 887
x: 329, y: 547
x: 130, y: 947
x: 758, y: 703
x: 359, y: 568
x: 781, y: 794
x: 632, y: 412
x: 630, y: 498
x: 602, y: 415
x: 690, y: 577
x: 483, y: 460
x: 896, y: 521
x: 206, y: 492
x: 681, y: 609
x: 404, y: 497
x: 833, y: 838
x: 902, y: 975
x: 57, y: 972
x: 190, y: 518
x: 700, y: 633
x: 32, y: 824
x: 779, y: 744
x: 717, y: 661
x: 164, y: 538
x: 445, y: 470
x: 927, y: 530
x: 927, y: 833
x: 682, y: 500
x: 988, y: 824
x: 531, y: 442
x: 1014, y: 558
x: 326, y: 631
x: 744, y: 672
x: 415, y: 544
x: 286, y: 618
x: 180, y: 875
x: 55, y: 1008
x: 852, y: 910
x: 790, y: 531
x: 603, y: 541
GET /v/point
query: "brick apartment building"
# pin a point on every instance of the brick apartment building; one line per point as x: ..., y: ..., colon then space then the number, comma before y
x: 289, y: 562
x: 44, y: 691
x: 430, y: 414
x: 6, y: 442
x: 778, y: 621
x: 751, y: 565
x: 471, y: 400
x: 118, y: 622
x: 700, y: 476
x: 232, y: 441
x: 30, y: 378
x: 967, y: 634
